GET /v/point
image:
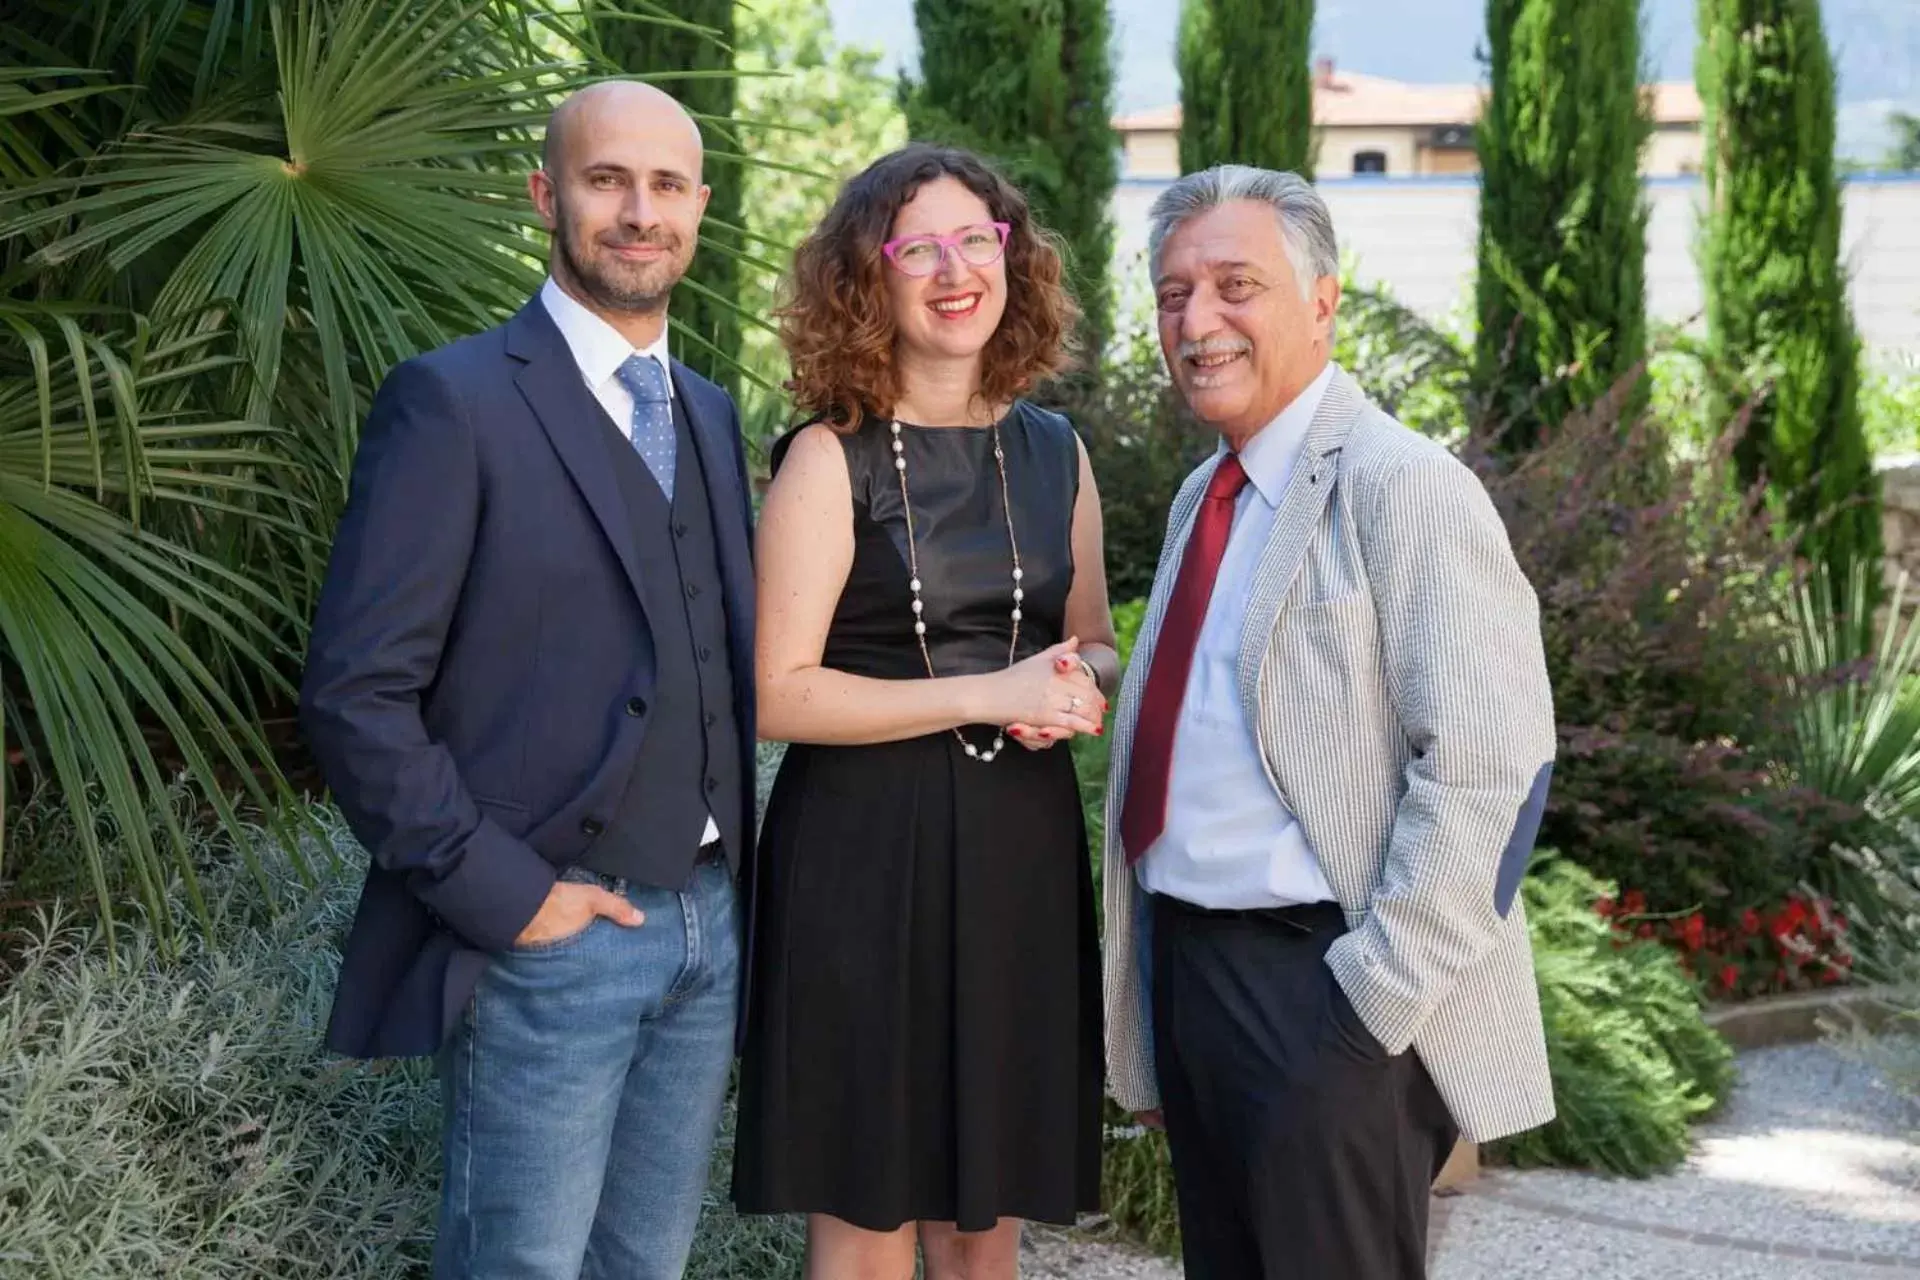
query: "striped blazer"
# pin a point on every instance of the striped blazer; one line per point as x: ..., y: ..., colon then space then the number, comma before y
x: 1392, y: 666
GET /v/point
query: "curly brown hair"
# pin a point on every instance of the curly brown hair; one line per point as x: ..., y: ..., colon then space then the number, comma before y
x: 835, y: 319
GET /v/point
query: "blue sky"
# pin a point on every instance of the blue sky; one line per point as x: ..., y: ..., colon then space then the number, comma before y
x: 1877, y: 44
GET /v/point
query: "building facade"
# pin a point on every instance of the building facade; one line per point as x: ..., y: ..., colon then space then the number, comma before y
x: 1373, y: 127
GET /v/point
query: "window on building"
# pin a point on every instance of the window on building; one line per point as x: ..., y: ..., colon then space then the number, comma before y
x: 1369, y: 162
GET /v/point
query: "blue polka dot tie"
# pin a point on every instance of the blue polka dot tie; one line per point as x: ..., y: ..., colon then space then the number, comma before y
x: 653, y: 436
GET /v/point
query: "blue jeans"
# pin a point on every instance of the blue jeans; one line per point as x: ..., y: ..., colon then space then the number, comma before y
x: 582, y: 1090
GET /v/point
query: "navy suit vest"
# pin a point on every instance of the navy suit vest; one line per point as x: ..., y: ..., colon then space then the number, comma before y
x: 688, y: 766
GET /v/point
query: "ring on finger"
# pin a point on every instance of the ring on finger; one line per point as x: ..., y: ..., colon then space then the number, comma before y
x: 1073, y: 703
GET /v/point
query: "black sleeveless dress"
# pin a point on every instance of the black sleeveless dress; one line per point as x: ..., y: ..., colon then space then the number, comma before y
x: 924, y: 1037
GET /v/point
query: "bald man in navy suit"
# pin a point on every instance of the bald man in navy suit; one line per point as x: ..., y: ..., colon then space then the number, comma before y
x: 530, y: 689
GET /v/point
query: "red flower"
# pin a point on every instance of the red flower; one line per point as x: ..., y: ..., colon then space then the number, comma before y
x: 1645, y: 931
x: 1634, y: 903
x: 1791, y: 917
x: 1749, y: 921
x: 1729, y: 977
x: 1604, y: 906
x: 1693, y: 932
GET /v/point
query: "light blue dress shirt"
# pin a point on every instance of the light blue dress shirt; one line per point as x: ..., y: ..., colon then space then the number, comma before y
x: 1229, y: 842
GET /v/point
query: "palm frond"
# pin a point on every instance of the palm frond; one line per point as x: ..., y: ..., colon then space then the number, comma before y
x: 1856, y: 686
x: 221, y: 223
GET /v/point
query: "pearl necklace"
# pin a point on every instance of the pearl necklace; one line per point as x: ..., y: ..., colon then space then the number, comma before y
x: 983, y: 755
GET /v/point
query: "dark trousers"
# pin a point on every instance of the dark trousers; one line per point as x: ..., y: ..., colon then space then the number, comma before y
x: 1301, y: 1150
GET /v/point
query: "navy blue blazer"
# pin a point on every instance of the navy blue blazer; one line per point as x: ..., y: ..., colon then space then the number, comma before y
x: 477, y: 645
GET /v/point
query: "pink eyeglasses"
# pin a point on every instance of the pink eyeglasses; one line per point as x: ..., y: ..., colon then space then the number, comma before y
x: 978, y: 246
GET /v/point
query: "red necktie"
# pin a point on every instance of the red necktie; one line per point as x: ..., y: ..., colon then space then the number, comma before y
x: 1144, y: 814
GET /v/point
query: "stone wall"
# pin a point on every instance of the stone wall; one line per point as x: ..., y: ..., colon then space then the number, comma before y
x: 1900, y: 520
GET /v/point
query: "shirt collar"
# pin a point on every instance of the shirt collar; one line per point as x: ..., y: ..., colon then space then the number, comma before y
x: 1270, y: 455
x: 597, y: 346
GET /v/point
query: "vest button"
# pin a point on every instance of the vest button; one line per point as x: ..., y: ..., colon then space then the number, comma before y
x: 592, y: 827
x: 713, y: 785
x: 680, y: 530
x: 693, y: 589
x: 712, y: 719
x: 636, y: 707
x: 705, y: 653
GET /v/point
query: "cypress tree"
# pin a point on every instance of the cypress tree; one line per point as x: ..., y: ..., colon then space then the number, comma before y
x: 1563, y: 244
x: 705, y: 314
x: 1029, y: 85
x: 1780, y: 333
x: 1246, y: 85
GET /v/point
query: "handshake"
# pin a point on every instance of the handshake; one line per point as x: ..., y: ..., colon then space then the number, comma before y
x: 1050, y: 697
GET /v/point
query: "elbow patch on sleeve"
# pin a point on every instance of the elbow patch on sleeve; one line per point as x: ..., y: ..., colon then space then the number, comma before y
x: 1519, y: 850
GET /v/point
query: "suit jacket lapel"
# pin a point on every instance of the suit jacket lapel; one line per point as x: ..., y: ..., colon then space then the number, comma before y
x: 1308, y: 492
x: 551, y: 383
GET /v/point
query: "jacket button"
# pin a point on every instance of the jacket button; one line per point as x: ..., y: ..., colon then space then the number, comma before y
x: 712, y: 719
x: 680, y: 530
x: 592, y: 827
x: 713, y: 785
x: 693, y: 590
x: 636, y: 707
x: 705, y: 653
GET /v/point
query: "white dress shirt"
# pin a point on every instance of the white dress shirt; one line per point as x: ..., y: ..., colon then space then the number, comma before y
x: 599, y: 349
x: 1229, y: 842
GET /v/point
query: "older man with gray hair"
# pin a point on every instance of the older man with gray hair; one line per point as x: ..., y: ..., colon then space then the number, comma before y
x: 1330, y: 758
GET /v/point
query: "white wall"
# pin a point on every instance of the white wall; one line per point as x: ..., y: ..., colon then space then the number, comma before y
x: 1417, y: 236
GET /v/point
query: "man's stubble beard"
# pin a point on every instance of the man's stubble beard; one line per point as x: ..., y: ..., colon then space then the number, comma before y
x: 640, y: 296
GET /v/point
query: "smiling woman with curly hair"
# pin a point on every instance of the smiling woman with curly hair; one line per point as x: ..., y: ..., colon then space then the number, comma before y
x: 923, y: 1060
x: 837, y: 323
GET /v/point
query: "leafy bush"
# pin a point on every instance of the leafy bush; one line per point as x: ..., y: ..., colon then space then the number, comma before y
x: 1890, y: 407
x: 177, y: 1116
x: 1415, y: 370
x: 1662, y: 591
x: 1882, y: 888
x: 1633, y: 1061
x: 1090, y: 755
x: 1136, y: 1182
x: 1142, y: 443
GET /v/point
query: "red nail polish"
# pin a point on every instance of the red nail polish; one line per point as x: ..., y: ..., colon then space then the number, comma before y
x: 1015, y: 732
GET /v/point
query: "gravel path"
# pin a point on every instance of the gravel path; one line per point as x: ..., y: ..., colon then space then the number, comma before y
x: 1811, y: 1172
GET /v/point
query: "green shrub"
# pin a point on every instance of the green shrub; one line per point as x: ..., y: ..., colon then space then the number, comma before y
x: 178, y: 1117
x: 1142, y: 443
x: 1633, y: 1061
x: 1090, y: 755
x: 1414, y: 369
x: 1136, y: 1182
x: 1881, y: 886
x: 1890, y: 406
x: 1664, y: 623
